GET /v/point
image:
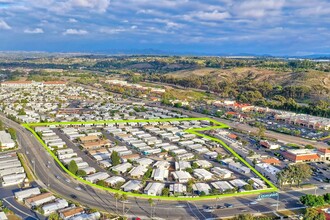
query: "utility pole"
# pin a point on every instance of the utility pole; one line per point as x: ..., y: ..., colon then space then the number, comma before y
x: 34, y: 166
x: 315, y: 190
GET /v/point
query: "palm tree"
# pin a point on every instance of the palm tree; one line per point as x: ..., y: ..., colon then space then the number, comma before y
x: 117, y: 196
x: 151, y: 203
x: 123, y: 198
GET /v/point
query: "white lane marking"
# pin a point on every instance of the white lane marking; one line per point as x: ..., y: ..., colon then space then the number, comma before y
x: 192, y: 210
x: 199, y: 211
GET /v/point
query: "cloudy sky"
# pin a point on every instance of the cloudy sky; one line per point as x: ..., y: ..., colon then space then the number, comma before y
x: 277, y: 27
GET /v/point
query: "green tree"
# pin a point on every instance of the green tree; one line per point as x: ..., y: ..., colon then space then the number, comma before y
x: 295, y: 173
x: 219, y: 157
x: 165, y: 191
x: 54, y: 216
x: 101, y: 183
x: 261, y: 131
x: 190, y: 184
x: 12, y: 133
x: 189, y: 170
x: 302, y: 172
x: 21, y: 112
x: 117, y: 196
x: 312, y: 200
x: 194, y: 165
x: 326, y: 198
x: 251, y: 153
x: 248, y: 187
x: 1, y: 126
x: 151, y: 203
x: 147, y: 174
x: 115, y: 158
x: 309, y: 146
x: 244, y: 217
x: 72, y: 167
x: 123, y: 199
x: 81, y: 173
x: 313, y: 214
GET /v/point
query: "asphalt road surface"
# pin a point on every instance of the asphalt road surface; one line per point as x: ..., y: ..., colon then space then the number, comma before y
x: 51, y: 176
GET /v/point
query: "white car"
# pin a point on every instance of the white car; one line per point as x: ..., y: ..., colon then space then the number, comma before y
x: 208, y: 209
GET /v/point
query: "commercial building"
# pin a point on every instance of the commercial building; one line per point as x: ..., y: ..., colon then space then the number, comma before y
x: 269, y: 145
x: 304, y: 120
x: 301, y: 155
x: 267, y: 170
x: 324, y: 154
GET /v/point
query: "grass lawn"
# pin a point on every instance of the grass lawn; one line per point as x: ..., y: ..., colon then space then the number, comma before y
x: 13, y: 217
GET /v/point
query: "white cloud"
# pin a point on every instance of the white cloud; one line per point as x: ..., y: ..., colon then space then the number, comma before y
x: 34, y: 31
x: 4, y: 25
x: 75, y: 32
x: 98, y: 5
x: 107, y: 30
x: 257, y: 8
x: 72, y: 20
x: 211, y: 16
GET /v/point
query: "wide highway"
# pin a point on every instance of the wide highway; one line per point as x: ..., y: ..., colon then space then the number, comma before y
x: 50, y: 175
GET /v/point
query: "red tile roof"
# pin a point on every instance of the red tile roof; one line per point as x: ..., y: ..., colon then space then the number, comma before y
x: 271, y: 161
x: 325, y: 150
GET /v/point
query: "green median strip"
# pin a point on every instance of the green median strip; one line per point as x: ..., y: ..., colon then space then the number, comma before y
x: 26, y: 168
x: 217, y: 125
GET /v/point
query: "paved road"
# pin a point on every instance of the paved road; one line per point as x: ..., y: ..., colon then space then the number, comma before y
x: 102, y: 200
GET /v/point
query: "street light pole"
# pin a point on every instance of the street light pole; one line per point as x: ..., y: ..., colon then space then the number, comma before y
x: 278, y: 201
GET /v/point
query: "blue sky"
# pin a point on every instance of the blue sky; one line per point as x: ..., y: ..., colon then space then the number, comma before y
x: 277, y: 27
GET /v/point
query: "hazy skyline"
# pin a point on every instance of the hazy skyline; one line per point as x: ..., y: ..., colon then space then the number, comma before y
x: 277, y: 27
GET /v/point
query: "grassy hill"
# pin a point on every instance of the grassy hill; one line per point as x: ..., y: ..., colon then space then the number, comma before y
x: 317, y: 81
